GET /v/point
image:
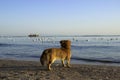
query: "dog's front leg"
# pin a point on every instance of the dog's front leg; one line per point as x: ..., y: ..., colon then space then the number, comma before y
x: 68, y: 63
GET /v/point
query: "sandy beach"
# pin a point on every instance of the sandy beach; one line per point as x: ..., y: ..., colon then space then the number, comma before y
x: 31, y: 70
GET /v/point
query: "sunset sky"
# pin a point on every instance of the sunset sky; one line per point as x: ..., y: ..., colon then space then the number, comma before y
x: 60, y: 17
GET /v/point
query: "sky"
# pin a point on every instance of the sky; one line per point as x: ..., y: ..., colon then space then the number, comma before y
x: 60, y: 17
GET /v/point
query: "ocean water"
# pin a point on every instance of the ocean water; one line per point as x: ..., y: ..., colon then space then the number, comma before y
x: 87, y: 49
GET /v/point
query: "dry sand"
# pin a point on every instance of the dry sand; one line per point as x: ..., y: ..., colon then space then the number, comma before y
x: 30, y: 70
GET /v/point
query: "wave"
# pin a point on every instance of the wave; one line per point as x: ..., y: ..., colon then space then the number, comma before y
x: 95, y: 60
x: 72, y: 46
x: 25, y: 45
x: 16, y: 45
x: 94, y: 46
x: 86, y: 59
x: 3, y: 44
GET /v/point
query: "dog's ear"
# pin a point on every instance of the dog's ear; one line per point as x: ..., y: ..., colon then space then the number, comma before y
x: 61, y: 42
x: 65, y: 41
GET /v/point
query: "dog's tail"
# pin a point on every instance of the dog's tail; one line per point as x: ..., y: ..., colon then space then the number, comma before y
x: 45, y: 57
x: 42, y: 59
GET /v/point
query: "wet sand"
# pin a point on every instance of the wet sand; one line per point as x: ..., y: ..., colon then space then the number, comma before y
x: 31, y: 70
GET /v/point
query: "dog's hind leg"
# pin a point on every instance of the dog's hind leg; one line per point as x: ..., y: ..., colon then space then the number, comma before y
x: 63, y: 63
x: 50, y: 63
x: 49, y: 66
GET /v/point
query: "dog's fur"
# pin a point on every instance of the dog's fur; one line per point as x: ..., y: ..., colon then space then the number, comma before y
x: 50, y: 55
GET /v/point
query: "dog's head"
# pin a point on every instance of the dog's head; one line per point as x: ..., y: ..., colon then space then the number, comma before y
x: 65, y: 44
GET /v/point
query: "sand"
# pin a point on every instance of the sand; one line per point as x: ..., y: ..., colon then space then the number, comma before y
x: 31, y: 70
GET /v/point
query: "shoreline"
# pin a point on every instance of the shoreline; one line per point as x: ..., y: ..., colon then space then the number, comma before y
x: 73, y: 61
x: 32, y: 70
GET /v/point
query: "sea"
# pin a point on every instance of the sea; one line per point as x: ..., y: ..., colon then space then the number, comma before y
x: 85, y: 49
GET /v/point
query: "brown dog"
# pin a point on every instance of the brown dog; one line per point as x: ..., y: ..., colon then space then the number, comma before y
x: 50, y: 55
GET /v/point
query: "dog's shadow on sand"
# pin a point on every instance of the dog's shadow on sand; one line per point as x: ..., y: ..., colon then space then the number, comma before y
x: 21, y: 68
x: 28, y: 67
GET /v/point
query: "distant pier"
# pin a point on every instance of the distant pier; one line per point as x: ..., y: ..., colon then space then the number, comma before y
x: 33, y: 35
